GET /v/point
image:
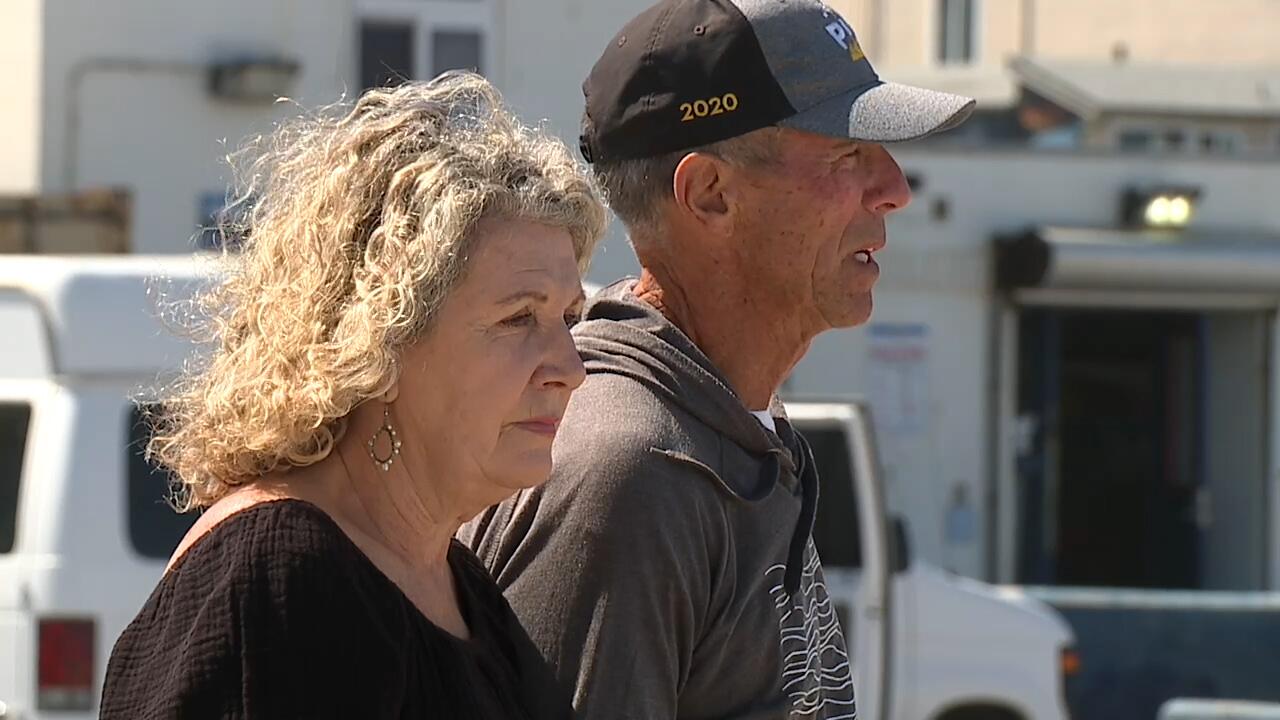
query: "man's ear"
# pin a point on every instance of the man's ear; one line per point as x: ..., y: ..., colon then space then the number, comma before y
x: 699, y: 190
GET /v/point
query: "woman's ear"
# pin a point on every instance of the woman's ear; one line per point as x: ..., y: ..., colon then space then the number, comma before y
x: 392, y: 393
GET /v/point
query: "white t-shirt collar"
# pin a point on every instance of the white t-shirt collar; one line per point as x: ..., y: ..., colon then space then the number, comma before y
x: 766, y: 420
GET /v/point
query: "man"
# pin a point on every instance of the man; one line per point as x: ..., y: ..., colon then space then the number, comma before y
x: 667, y: 569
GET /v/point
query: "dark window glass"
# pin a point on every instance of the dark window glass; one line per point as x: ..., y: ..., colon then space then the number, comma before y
x: 15, y: 418
x: 154, y: 528
x: 1136, y: 141
x: 955, y: 31
x: 386, y: 53
x: 220, y: 226
x: 455, y: 50
x: 1215, y: 143
x: 836, y: 530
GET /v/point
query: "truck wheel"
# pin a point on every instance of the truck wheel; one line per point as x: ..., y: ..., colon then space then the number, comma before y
x: 980, y: 712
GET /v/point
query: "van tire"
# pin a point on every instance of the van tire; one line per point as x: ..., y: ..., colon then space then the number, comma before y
x: 980, y: 712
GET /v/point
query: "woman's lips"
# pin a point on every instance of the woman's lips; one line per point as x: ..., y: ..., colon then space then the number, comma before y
x: 541, y: 426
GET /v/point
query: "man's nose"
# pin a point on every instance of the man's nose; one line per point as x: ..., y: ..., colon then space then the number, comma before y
x: 888, y: 191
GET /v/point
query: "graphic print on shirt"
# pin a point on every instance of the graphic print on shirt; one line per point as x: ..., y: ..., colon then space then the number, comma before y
x: 816, y: 674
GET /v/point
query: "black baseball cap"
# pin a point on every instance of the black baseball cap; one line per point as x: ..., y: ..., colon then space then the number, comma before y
x: 686, y: 73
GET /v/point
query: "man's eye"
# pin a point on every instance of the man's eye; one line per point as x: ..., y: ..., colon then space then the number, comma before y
x: 524, y: 317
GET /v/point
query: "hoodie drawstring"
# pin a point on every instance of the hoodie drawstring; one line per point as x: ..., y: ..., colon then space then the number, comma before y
x: 808, y: 475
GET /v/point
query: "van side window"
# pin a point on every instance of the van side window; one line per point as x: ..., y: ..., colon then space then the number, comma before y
x: 14, y: 420
x: 155, y: 529
x: 836, y: 530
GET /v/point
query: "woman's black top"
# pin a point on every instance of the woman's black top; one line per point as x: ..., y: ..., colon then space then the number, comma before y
x: 275, y: 613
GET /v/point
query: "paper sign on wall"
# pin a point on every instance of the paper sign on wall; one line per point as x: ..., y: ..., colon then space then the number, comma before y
x: 899, y: 376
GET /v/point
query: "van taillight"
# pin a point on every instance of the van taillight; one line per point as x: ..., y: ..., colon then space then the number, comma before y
x: 64, y: 678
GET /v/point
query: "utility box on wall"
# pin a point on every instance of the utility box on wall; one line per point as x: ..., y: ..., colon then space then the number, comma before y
x: 93, y: 221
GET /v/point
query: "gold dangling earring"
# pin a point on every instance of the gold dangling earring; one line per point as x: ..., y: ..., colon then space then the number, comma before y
x: 390, y: 432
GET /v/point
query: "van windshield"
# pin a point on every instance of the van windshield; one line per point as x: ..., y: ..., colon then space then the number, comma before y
x: 14, y: 421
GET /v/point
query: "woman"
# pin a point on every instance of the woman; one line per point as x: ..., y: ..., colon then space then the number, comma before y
x: 391, y: 357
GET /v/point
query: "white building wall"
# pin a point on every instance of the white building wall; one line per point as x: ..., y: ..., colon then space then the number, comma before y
x: 548, y: 49
x: 21, y: 39
x: 156, y: 131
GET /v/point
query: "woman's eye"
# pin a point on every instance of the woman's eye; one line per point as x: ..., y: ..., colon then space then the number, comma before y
x: 523, y: 317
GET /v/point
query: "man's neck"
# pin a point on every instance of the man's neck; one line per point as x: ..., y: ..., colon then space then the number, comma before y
x: 753, y: 346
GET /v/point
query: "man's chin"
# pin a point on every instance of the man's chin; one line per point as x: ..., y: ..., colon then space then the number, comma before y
x: 854, y: 313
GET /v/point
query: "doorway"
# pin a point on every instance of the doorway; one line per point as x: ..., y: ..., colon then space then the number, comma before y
x: 1145, y: 454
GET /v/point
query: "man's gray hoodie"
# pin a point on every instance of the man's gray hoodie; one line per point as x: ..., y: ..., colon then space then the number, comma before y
x: 666, y: 570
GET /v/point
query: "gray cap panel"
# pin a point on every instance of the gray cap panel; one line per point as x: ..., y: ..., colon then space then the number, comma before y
x: 817, y: 60
x: 812, y: 51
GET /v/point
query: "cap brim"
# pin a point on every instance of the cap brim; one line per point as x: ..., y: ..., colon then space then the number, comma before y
x: 887, y: 113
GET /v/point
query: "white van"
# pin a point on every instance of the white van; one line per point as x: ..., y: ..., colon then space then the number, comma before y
x: 85, y: 531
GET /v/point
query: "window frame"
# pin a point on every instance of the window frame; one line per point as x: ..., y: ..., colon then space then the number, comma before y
x: 425, y: 18
x: 1191, y: 133
x: 1238, y: 137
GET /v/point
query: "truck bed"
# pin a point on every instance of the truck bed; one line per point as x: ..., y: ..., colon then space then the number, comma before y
x: 1142, y: 647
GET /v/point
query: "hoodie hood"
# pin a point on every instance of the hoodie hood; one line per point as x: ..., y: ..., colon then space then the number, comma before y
x: 621, y: 334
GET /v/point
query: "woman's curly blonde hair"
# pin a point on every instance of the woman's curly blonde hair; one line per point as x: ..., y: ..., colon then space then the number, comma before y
x: 357, y: 227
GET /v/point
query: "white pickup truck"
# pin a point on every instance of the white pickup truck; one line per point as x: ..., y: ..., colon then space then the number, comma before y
x: 927, y: 645
x: 84, y: 531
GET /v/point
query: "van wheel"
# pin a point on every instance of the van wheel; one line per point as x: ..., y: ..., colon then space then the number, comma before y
x: 980, y: 712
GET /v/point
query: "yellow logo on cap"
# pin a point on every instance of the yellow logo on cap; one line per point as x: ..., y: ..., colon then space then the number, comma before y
x: 726, y: 103
x: 843, y: 36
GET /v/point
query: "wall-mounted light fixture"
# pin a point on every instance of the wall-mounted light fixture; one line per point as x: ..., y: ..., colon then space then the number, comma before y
x: 248, y: 79
x: 1164, y: 207
x: 252, y: 79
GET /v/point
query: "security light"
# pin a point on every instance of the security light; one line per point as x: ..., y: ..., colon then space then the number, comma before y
x: 1159, y: 207
x: 252, y: 79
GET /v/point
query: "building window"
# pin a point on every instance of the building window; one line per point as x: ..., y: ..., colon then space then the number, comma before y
x: 1217, y: 142
x: 219, y: 227
x: 1174, y: 140
x: 419, y: 39
x: 386, y: 53
x: 1136, y: 141
x: 956, y: 31
x: 452, y: 50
